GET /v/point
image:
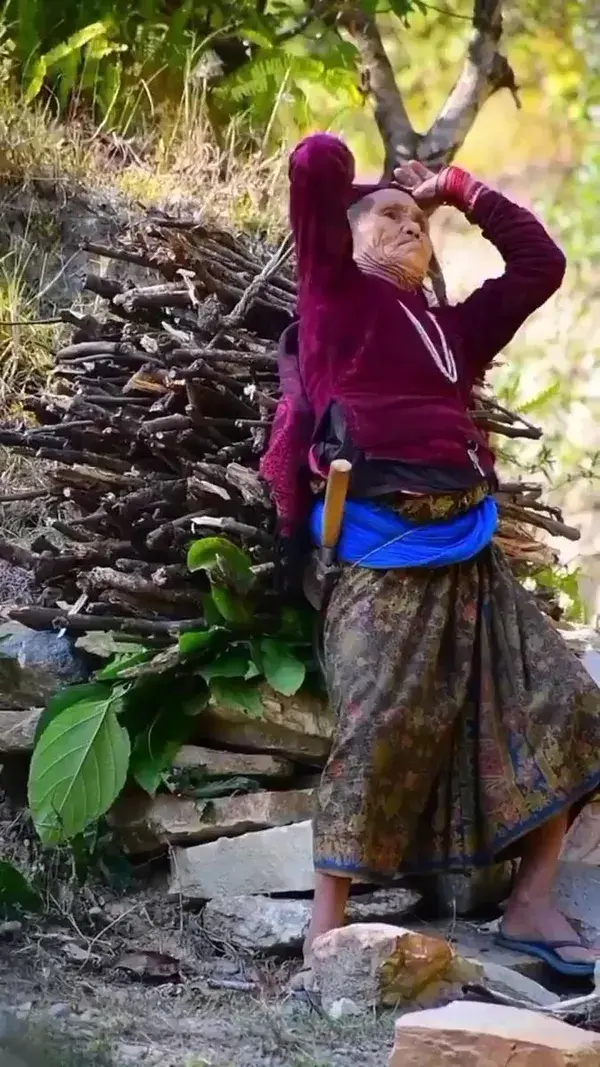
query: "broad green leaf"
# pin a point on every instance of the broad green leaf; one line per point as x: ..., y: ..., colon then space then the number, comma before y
x: 154, y: 750
x: 257, y: 656
x: 159, y: 663
x: 196, y: 702
x: 212, y: 615
x: 100, y: 48
x: 78, y: 769
x: 104, y: 643
x: 230, y: 606
x: 237, y: 694
x: 71, y: 694
x: 76, y: 41
x: 283, y: 670
x: 16, y: 892
x: 122, y: 661
x: 150, y: 695
x: 149, y: 763
x: 163, y: 734
x: 36, y: 80
x: 256, y: 37
x: 192, y: 641
x: 233, y: 663
x: 223, y: 561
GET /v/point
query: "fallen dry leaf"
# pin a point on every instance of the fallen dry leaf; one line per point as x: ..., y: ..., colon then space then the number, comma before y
x: 150, y: 966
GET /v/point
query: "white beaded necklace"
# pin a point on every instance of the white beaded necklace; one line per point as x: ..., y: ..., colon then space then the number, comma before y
x: 445, y: 363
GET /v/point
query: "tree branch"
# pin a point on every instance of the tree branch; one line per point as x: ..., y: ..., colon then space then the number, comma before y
x: 484, y: 72
x: 399, y: 138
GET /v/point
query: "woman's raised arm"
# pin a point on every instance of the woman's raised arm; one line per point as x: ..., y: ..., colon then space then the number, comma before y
x: 534, y: 265
x: 534, y: 268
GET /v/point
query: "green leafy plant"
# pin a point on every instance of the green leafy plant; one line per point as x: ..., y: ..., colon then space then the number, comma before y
x: 79, y: 764
x: 141, y: 705
x: 565, y: 582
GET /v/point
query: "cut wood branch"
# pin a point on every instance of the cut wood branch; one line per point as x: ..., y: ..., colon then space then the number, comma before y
x: 50, y: 619
x: 552, y: 526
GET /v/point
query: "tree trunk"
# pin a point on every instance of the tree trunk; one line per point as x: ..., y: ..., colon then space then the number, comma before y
x: 484, y: 72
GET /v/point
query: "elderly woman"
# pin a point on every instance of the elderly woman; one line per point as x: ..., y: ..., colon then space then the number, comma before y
x: 467, y: 732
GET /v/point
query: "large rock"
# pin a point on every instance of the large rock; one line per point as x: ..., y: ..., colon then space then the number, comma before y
x: 375, y: 964
x: 577, y: 893
x: 17, y: 730
x: 298, y: 727
x: 472, y: 942
x: 34, y: 664
x: 269, y: 861
x: 513, y: 984
x: 215, y: 764
x: 257, y: 924
x: 582, y: 843
x: 267, y: 924
x: 466, y: 1034
x: 146, y: 824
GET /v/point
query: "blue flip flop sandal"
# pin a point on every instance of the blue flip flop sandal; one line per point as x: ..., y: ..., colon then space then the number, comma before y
x: 546, y: 951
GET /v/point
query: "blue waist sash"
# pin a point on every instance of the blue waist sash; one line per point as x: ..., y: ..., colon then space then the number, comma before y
x: 375, y: 536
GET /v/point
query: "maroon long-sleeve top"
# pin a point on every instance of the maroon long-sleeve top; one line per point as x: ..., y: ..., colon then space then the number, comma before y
x: 358, y: 349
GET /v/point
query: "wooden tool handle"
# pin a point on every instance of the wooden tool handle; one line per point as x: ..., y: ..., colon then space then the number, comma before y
x: 335, y: 498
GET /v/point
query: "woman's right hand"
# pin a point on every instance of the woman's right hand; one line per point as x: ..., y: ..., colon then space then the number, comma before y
x: 451, y: 185
x: 422, y: 184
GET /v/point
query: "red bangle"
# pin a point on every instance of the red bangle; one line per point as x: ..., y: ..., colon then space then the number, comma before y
x: 458, y: 188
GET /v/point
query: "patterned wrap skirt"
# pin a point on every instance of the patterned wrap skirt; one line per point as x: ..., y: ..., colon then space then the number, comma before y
x: 463, y: 720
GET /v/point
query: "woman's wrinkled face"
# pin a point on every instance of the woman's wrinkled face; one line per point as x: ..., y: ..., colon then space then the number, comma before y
x: 390, y: 229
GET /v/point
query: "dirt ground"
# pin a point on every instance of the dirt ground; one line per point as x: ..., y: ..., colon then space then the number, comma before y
x: 79, y: 985
x: 58, y: 980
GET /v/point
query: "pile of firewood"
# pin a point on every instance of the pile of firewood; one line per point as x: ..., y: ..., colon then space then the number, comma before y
x: 152, y: 424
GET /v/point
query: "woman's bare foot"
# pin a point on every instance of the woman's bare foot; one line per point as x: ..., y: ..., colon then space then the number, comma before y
x: 543, y: 921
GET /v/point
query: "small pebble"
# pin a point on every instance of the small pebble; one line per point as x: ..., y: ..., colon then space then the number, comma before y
x: 57, y: 1011
x: 77, y: 953
x: 343, y: 1007
x: 11, y: 928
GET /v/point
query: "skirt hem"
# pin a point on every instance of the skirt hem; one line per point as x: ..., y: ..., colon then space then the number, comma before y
x: 487, y: 858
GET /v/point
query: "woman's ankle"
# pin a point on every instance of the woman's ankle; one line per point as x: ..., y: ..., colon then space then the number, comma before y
x: 519, y: 903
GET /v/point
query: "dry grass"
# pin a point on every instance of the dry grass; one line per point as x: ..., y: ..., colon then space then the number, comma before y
x: 26, y: 347
x: 26, y: 344
x: 179, y: 159
x: 178, y: 163
x: 70, y: 954
x: 248, y: 194
x: 36, y: 147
